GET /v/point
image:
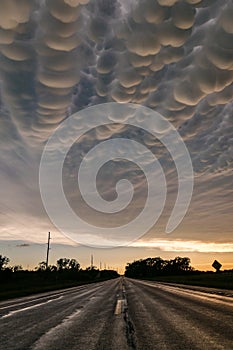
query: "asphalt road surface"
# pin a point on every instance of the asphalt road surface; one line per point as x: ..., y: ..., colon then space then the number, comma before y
x: 120, y: 314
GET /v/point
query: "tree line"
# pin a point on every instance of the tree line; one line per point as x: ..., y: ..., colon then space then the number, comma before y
x: 65, y: 269
x: 152, y: 267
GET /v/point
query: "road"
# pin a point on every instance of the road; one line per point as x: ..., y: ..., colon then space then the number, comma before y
x: 119, y: 314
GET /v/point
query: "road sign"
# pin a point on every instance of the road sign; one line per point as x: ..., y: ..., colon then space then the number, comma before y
x: 216, y: 265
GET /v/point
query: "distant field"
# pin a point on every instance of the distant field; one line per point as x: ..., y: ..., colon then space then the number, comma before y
x: 213, y: 280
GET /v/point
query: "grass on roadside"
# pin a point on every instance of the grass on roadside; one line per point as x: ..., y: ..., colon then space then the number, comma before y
x: 213, y: 280
x: 10, y: 291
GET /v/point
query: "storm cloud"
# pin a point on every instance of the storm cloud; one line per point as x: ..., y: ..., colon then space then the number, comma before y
x: 61, y: 56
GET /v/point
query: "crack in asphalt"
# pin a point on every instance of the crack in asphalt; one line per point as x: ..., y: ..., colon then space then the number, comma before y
x: 130, y: 329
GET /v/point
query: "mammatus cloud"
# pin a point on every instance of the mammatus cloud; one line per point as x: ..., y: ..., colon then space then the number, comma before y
x: 61, y: 56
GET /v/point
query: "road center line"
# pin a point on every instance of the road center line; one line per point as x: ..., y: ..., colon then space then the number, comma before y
x: 118, y: 309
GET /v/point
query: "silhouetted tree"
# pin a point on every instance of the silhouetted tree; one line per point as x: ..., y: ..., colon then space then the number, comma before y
x: 63, y: 263
x: 67, y: 264
x: 74, y: 265
x: 41, y: 266
x: 177, y: 265
x: 3, y: 262
x: 52, y: 268
x: 152, y: 267
x: 17, y: 268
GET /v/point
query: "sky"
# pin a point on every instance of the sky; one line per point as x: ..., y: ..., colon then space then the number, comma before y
x: 60, y: 57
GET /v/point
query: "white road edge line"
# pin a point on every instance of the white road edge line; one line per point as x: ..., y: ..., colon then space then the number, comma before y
x: 220, y: 299
x: 11, y: 313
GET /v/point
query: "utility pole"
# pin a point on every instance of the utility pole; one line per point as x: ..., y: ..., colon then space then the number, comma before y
x: 100, y: 265
x: 92, y: 261
x: 48, y: 248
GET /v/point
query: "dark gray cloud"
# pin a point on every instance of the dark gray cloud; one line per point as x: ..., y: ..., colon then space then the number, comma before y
x: 60, y: 56
x: 23, y: 245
